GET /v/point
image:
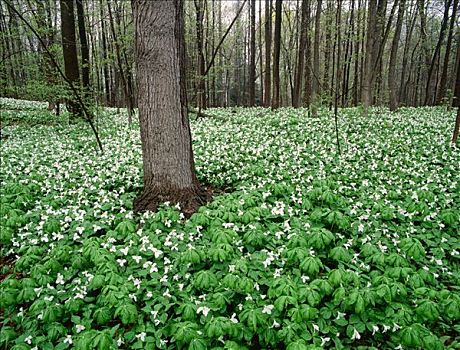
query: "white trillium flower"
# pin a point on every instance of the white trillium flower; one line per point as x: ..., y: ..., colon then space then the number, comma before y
x: 356, y: 335
x: 268, y: 309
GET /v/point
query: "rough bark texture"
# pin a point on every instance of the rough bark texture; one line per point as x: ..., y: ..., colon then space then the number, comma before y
x: 393, y: 55
x: 69, y: 48
x: 276, y: 56
x: 169, y: 170
x: 268, y: 53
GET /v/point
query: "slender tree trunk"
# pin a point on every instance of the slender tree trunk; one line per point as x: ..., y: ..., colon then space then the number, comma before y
x: 69, y: 48
x: 252, y: 54
x: 84, y: 48
x: 268, y: 53
x: 403, y: 85
x: 121, y: 71
x: 327, y: 49
x: 261, y: 61
x: 457, y: 97
x: 276, y: 56
x: 105, y: 69
x: 169, y: 170
x: 431, y: 98
x: 301, y: 54
x: 445, y: 67
x: 393, y: 56
x: 308, y: 72
x: 201, y: 84
x: 424, y: 40
x: 316, y: 90
x: 348, y: 56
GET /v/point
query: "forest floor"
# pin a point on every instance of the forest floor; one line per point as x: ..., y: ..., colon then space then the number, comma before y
x: 309, y: 249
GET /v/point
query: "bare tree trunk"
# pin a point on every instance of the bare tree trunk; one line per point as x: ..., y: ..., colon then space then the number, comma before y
x: 201, y: 84
x: 268, y: 53
x: 301, y: 54
x: 308, y: 62
x: 424, y: 40
x: 393, y: 55
x: 169, y: 170
x: 348, y: 56
x: 124, y: 80
x: 456, y: 102
x: 431, y: 98
x: 315, y: 89
x: 445, y: 67
x: 403, y: 83
x: 84, y: 48
x: 276, y: 56
x: 105, y: 69
x: 69, y: 48
x: 252, y: 53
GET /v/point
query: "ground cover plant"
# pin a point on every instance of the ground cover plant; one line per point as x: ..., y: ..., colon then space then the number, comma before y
x: 307, y: 249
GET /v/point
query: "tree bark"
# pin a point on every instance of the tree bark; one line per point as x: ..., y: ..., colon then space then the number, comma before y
x: 315, y: 83
x: 252, y: 54
x: 84, y: 49
x: 169, y: 170
x: 456, y: 102
x: 276, y: 56
x: 393, y: 56
x: 123, y: 75
x: 268, y: 53
x: 301, y: 54
x: 201, y: 84
x: 431, y: 98
x: 445, y: 67
x: 69, y: 48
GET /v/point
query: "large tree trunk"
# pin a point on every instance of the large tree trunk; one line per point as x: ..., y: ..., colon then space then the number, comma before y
x: 276, y: 56
x: 268, y: 53
x: 69, y: 48
x: 393, y: 56
x: 301, y: 54
x: 169, y: 170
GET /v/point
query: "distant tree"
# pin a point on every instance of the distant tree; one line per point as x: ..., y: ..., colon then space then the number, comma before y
x: 169, y: 169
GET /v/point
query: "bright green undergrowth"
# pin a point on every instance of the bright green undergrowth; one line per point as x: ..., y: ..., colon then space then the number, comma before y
x: 310, y: 248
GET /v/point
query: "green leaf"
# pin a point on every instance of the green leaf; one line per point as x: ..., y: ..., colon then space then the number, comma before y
x: 127, y: 313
